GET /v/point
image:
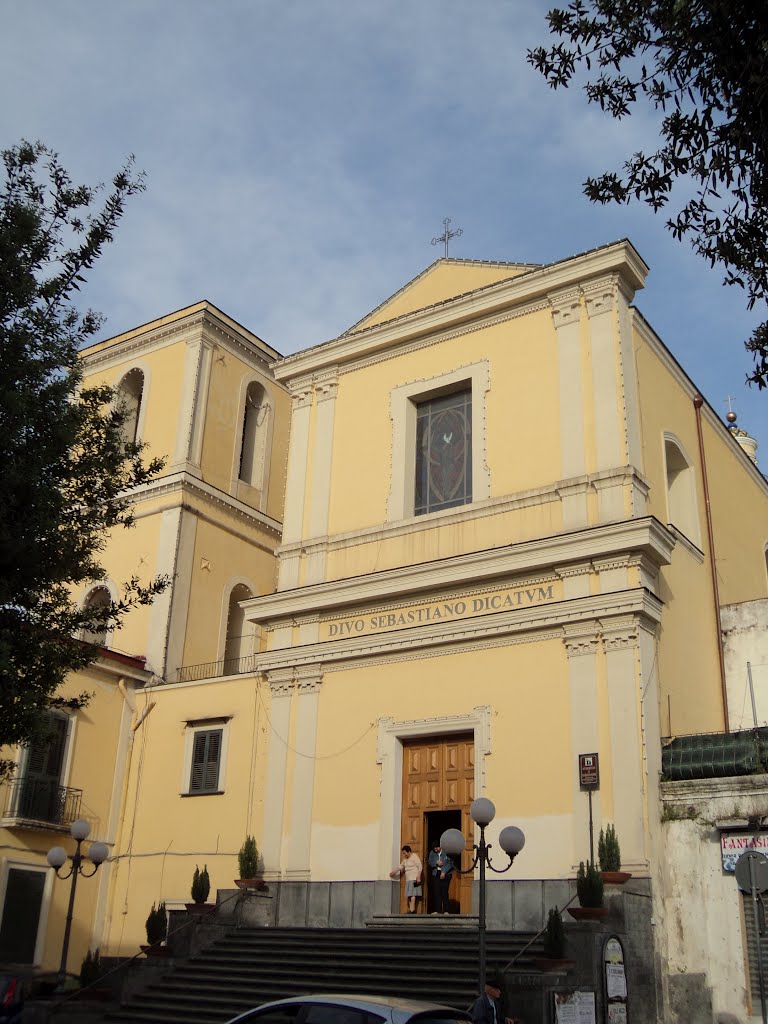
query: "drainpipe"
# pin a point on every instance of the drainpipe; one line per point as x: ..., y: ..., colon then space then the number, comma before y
x: 698, y: 401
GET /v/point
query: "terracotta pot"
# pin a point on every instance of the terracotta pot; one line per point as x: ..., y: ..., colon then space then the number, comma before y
x: 200, y: 908
x: 155, y: 950
x: 544, y: 963
x: 250, y: 883
x: 588, y: 913
x: 616, y: 877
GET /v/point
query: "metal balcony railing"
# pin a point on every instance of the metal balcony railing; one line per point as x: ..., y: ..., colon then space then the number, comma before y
x: 39, y: 800
x: 211, y: 669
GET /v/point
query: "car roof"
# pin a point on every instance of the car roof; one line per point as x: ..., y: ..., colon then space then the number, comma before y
x: 369, y: 1002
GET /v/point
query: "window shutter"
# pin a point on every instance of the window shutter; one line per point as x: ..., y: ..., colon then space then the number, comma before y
x: 212, y: 761
x: 45, y: 758
x: 206, y: 752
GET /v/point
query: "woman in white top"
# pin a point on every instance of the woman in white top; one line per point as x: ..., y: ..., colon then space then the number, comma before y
x: 410, y: 866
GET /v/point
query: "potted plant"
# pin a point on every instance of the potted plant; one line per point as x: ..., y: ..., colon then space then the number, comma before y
x: 201, y: 886
x: 554, y: 945
x: 589, y: 886
x: 248, y: 866
x: 609, y: 855
x: 91, y: 972
x: 156, y: 927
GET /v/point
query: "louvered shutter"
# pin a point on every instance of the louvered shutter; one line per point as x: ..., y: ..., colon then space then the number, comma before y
x: 752, y: 952
x: 39, y: 796
x: 206, y: 752
x: 45, y: 758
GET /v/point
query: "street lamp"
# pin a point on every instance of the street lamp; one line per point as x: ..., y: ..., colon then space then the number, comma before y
x: 511, y: 840
x: 57, y: 858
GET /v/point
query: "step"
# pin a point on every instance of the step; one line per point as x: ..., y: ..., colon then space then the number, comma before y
x: 393, y: 957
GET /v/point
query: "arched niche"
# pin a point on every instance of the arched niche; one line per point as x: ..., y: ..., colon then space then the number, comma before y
x: 681, y: 490
x: 130, y: 395
x: 253, y: 441
x: 98, y: 597
x: 238, y: 643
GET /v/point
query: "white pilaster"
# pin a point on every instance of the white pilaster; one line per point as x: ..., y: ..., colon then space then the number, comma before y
x: 620, y: 642
x: 194, y: 400
x: 639, y: 498
x: 296, y: 482
x: 581, y: 645
x: 282, y: 686
x: 610, y: 446
x: 320, y: 488
x: 297, y: 860
x: 160, y: 610
x: 566, y: 313
x: 182, y: 585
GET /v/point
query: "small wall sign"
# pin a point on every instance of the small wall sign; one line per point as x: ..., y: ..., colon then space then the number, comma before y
x: 574, y: 1007
x: 615, y: 982
x: 732, y: 845
x: 589, y: 771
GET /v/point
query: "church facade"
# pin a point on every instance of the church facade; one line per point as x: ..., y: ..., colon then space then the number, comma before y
x: 486, y: 531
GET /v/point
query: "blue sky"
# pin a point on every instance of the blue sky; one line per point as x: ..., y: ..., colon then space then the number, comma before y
x: 301, y: 155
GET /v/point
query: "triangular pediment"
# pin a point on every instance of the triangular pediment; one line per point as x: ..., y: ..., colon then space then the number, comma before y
x: 445, y: 279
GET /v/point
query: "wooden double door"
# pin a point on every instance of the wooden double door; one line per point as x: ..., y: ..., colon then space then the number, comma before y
x: 438, y: 787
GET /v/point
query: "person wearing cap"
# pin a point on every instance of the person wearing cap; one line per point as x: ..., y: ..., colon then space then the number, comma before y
x: 486, y: 1009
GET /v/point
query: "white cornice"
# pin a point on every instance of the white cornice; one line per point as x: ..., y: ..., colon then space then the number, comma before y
x: 466, y: 513
x: 182, y: 483
x: 621, y: 259
x: 510, y: 627
x: 647, y: 535
x: 197, y: 321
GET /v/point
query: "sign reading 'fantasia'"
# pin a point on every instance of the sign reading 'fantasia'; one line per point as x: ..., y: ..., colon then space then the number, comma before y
x: 440, y: 611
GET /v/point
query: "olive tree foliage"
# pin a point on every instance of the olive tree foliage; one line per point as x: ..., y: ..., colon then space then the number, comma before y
x: 65, y: 465
x: 702, y: 65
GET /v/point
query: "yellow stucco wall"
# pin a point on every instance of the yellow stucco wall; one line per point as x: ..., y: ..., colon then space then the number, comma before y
x: 527, y: 688
x: 171, y: 833
x: 442, y: 281
x: 519, y: 352
x: 690, y: 691
x: 163, y: 381
x: 221, y: 559
x: 91, y: 765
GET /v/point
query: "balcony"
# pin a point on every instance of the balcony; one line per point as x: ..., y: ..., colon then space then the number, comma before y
x: 212, y: 669
x: 39, y: 803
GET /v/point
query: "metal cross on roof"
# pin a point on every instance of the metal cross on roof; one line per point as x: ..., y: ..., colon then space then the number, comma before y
x: 447, y: 235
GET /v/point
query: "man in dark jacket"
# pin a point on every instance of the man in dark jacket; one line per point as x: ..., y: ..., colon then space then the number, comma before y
x: 486, y: 1009
x: 441, y: 869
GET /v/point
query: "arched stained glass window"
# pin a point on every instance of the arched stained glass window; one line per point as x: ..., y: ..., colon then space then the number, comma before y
x: 443, y: 452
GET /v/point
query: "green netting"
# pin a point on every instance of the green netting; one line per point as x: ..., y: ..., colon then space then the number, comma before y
x: 714, y: 755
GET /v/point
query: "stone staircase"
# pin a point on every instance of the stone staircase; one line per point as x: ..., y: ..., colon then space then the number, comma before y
x: 429, y: 958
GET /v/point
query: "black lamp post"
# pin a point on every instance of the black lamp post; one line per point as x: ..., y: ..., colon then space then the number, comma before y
x: 57, y: 858
x: 511, y: 840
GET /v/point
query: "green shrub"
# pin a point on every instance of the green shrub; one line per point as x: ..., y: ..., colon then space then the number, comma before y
x: 157, y: 924
x: 554, y: 936
x: 201, y: 884
x: 589, y: 885
x: 608, y: 850
x: 91, y: 969
x: 248, y: 858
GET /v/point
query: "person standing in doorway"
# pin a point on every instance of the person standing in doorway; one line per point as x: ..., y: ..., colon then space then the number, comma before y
x: 441, y: 869
x: 411, y: 867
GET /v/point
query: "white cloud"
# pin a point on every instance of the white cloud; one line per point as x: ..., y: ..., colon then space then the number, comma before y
x: 302, y: 153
